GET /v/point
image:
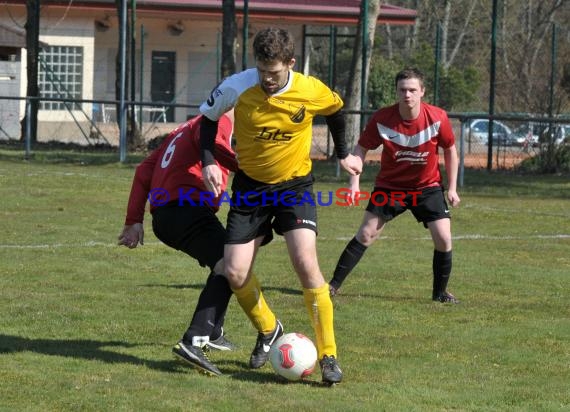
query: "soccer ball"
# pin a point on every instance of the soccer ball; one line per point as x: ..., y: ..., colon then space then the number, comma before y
x: 293, y: 356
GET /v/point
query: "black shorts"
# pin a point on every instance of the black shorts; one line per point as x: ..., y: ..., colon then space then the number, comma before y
x: 258, y: 208
x: 194, y: 230
x: 427, y: 205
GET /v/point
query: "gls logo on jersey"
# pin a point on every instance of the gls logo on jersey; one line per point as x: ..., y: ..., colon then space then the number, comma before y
x: 274, y: 135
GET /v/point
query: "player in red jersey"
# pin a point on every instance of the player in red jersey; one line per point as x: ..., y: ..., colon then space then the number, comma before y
x: 184, y: 219
x: 410, y: 133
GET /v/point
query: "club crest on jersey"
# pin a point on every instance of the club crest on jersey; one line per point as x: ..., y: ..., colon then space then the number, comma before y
x: 297, y: 114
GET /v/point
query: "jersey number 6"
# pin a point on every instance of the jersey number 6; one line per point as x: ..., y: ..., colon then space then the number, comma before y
x: 169, y: 153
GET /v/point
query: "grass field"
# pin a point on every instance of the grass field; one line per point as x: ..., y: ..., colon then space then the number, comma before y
x: 88, y: 326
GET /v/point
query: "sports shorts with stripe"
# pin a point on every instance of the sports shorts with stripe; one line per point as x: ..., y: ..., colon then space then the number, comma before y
x: 258, y: 208
x: 427, y: 205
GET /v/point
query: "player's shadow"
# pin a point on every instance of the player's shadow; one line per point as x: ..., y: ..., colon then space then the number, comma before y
x: 80, y: 348
x: 293, y: 291
x: 359, y: 295
x: 200, y: 286
x: 98, y: 350
x: 257, y: 376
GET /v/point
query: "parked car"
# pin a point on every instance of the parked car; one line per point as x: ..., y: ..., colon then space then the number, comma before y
x: 535, y: 133
x: 479, y: 132
x: 528, y: 134
x: 560, y: 134
x: 565, y: 138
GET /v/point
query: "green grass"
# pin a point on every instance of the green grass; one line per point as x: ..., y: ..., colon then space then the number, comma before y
x: 86, y: 325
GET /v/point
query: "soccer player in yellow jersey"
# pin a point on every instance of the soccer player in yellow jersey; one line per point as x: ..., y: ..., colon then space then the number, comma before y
x: 274, y: 109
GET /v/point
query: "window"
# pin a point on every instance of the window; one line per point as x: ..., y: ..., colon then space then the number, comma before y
x: 61, y: 76
x: 481, y: 126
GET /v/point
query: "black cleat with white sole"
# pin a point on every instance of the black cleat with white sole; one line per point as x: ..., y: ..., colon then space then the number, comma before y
x: 445, y: 297
x: 222, y: 343
x: 262, y: 345
x: 195, y: 357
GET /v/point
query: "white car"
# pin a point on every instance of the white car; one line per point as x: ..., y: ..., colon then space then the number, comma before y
x: 533, y: 133
x: 561, y: 133
x: 528, y: 134
x: 479, y: 132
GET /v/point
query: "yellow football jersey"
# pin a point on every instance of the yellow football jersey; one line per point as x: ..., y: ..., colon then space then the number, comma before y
x: 272, y: 133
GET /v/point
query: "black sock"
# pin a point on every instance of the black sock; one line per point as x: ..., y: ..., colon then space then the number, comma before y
x: 348, y: 260
x: 210, y: 311
x: 442, y: 262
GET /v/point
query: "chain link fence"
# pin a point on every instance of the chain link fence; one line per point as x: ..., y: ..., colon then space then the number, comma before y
x: 92, y: 125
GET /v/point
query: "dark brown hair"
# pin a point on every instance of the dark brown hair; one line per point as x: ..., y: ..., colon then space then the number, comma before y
x: 273, y: 44
x: 410, y: 73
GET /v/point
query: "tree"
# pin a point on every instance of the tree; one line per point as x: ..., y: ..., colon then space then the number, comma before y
x: 525, y: 54
x: 32, y: 88
x: 229, y: 38
x: 353, y: 101
x: 381, y: 88
x: 447, y: 56
x: 134, y: 136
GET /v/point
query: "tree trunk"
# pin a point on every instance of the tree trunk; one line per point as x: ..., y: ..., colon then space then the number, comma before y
x: 448, y: 59
x: 118, y: 64
x: 389, y: 42
x: 32, y: 47
x: 134, y: 135
x: 353, y: 92
x: 415, y: 29
x: 445, y: 31
x: 229, y: 36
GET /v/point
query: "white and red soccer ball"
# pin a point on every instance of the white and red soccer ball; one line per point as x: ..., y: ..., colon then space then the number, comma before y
x: 293, y: 356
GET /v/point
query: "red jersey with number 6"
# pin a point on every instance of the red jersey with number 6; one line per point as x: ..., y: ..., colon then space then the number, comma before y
x: 410, y: 157
x: 175, y: 167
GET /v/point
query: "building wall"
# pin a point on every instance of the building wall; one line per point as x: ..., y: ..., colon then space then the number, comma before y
x: 198, y: 54
x: 72, y: 29
x: 197, y: 48
x: 73, y: 32
x: 9, y: 86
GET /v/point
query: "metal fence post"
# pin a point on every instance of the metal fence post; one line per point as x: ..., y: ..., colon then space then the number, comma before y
x: 28, y: 129
x: 122, y: 107
x: 461, y: 153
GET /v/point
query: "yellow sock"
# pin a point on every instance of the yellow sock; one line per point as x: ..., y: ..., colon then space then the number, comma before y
x: 251, y: 300
x: 319, y: 305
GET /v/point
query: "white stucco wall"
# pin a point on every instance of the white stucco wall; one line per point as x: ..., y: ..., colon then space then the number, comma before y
x: 197, y: 48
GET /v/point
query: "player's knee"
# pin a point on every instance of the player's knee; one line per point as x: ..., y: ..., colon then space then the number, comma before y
x: 309, y: 274
x: 367, y: 237
x: 236, y: 276
x: 219, y: 267
x: 305, y: 266
x: 443, y: 243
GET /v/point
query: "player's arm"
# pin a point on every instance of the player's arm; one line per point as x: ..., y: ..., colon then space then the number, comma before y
x: 226, y: 158
x: 222, y: 100
x: 132, y: 235
x: 354, y: 180
x: 337, y: 126
x: 451, y: 166
x: 210, y: 171
x: 133, y: 230
x: 224, y: 154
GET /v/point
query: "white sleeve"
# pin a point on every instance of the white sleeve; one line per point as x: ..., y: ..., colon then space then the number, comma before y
x: 225, y: 95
